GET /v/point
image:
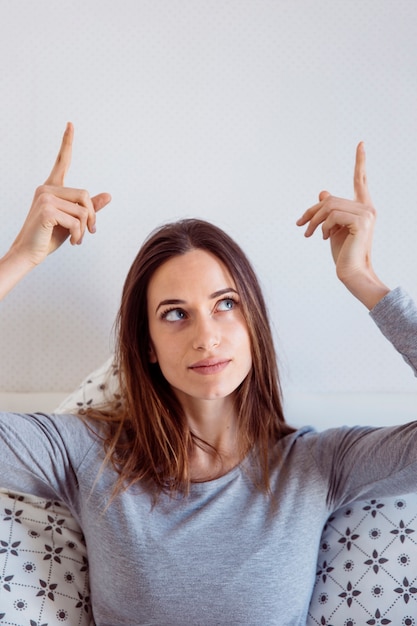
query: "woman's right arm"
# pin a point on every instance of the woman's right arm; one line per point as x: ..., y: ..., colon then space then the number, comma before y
x: 57, y: 212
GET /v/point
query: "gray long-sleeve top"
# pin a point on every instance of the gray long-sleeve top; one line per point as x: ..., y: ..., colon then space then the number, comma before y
x: 227, y: 553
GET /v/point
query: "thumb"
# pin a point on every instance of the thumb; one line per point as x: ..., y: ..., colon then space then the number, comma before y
x: 323, y: 195
x: 100, y: 201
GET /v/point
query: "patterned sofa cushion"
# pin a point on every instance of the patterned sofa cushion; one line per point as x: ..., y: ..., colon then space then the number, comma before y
x: 99, y: 386
x: 43, y: 564
x: 367, y: 565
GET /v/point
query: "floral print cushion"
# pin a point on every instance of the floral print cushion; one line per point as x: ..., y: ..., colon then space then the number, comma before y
x: 99, y: 386
x: 367, y: 565
x: 43, y: 564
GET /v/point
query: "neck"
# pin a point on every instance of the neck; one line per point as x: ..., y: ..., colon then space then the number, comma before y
x: 214, y: 423
x: 206, y: 465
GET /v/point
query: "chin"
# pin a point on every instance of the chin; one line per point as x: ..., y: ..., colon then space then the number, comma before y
x: 206, y: 395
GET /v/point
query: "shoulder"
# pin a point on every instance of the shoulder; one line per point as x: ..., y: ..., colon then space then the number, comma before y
x: 307, y: 443
x: 49, y: 431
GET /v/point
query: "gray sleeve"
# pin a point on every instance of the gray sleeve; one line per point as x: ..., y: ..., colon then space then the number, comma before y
x: 396, y: 317
x: 363, y: 462
x: 41, y: 454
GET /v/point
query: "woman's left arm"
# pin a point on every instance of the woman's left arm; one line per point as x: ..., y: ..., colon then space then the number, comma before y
x: 349, y: 224
x: 396, y: 317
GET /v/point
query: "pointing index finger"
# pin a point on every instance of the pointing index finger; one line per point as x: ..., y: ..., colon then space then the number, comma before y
x: 360, y: 180
x: 63, y: 160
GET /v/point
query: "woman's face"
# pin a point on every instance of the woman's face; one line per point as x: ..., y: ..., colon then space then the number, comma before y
x: 199, y: 336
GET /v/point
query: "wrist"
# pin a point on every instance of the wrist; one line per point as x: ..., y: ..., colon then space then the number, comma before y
x: 368, y: 289
x: 13, y: 268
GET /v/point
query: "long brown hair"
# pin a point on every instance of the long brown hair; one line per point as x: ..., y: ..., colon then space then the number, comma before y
x: 147, y: 437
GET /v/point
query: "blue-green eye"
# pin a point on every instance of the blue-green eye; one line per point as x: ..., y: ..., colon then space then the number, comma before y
x: 227, y: 304
x: 173, y: 315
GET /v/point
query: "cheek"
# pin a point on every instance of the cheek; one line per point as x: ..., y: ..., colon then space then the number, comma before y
x: 165, y: 352
x: 157, y: 343
x: 242, y: 339
x: 249, y: 351
x: 242, y: 333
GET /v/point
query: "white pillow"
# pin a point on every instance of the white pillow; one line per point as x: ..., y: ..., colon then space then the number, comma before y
x: 43, y: 564
x: 102, y: 384
x: 367, y: 565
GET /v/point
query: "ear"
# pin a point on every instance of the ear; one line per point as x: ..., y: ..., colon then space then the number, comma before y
x: 152, y: 354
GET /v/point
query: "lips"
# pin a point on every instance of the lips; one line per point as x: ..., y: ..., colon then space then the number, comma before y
x: 209, y: 366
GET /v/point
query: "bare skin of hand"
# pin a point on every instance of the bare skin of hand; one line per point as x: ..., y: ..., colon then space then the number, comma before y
x: 58, y: 212
x: 349, y: 225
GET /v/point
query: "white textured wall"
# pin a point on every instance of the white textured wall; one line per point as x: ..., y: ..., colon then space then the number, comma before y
x: 237, y: 111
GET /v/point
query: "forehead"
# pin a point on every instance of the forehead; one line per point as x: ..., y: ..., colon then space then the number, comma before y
x: 192, y: 272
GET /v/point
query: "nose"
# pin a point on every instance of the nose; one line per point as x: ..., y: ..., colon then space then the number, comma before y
x: 206, y: 334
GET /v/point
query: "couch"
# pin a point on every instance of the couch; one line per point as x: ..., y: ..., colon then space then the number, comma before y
x: 367, y: 558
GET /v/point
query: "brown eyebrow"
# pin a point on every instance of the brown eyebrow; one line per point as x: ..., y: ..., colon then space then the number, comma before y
x: 221, y: 292
x: 216, y: 294
x: 165, y: 302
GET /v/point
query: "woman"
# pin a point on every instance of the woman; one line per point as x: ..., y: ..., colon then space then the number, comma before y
x: 199, y: 504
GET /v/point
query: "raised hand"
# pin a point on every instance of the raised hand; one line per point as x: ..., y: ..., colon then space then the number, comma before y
x: 58, y: 212
x: 349, y: 224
